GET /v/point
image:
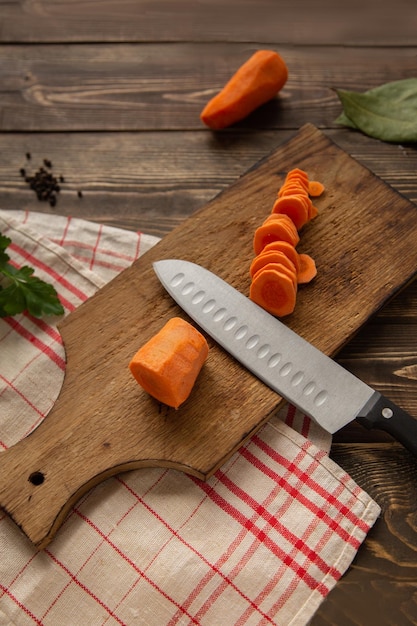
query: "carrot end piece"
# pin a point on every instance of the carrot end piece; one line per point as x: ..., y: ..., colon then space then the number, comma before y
x: 167, y: 365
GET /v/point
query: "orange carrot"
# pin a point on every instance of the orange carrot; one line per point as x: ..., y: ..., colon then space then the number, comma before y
x: 273, y: 256
x: 312, y: 212
x: 276, y: 217
x: 168, y: 364
x: 307, y: 270
x: 291, y: 188
x: 282, y: 269
x: 257, y: 81
x: 315, y: 188
x: 297, y: 176
x: 273, y: 291
x: 295, y: 206
x: 297, y: 173
x: 275, y: 230
x: 278, y: 268
x: 294, y: 199
x: 287, y: 249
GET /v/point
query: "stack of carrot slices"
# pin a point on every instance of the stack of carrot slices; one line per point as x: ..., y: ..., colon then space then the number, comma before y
x: 278, y: 268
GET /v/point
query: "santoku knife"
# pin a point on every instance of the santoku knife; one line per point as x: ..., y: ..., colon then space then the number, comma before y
x: 287, y: 363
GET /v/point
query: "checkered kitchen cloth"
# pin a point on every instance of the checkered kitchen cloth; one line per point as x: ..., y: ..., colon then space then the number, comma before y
x: 262, y: 542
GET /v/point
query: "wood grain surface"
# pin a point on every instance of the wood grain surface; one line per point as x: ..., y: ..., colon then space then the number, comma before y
x: 76, y: 86
x: 261, y: 21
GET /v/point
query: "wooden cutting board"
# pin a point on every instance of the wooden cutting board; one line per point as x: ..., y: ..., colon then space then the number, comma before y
x: 364, y: 242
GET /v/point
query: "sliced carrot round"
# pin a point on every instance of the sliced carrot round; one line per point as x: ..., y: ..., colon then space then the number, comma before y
x: 279, y: 267
x: 315, y: 188
x: 275, y: 230
x: 277, y: 217
x: 273, y: 291
x: 290, y: 188
x: 312, y: 212
x: 284, y: 220
x: 307, y: 270
x: 297, y: 174
x: 296, y: 171
x: 286, y: 248
x: 274, y: 256
x: 295, y: 207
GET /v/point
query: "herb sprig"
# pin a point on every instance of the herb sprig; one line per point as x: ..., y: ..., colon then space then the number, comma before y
x: 21, y: 291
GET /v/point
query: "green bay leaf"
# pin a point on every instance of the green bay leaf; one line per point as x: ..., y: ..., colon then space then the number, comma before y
x: 387, y: 112
x: 345, y: 121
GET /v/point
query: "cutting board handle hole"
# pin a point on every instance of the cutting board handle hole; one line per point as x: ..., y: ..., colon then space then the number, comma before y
x: 36, y: 478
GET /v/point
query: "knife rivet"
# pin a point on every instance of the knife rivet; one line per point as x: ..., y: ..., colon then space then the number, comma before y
x: 387, y: 413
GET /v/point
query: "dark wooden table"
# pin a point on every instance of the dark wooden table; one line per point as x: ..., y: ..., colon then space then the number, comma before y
x: 110, y: 92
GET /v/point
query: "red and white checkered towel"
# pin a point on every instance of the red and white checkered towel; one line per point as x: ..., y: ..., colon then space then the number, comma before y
x: 262, y: 542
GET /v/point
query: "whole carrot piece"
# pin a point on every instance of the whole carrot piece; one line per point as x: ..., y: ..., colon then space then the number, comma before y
x: 257, y: 81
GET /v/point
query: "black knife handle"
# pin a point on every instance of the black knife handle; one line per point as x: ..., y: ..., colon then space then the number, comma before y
x: 381, y: 413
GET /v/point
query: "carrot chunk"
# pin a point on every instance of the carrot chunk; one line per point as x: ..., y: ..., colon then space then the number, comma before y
x: 167, y: 365
x: 258, y: 80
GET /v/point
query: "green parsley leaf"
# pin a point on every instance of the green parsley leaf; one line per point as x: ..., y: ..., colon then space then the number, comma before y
x: 21, y: 291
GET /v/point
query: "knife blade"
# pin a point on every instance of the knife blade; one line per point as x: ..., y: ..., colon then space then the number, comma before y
x: 282, y: 359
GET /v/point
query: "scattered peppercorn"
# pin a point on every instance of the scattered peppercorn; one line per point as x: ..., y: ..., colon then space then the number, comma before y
x: 45, y: 185
x: 43, y: 182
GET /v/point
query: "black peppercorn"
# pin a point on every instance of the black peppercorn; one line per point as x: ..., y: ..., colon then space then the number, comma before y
x: 45, y: 185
